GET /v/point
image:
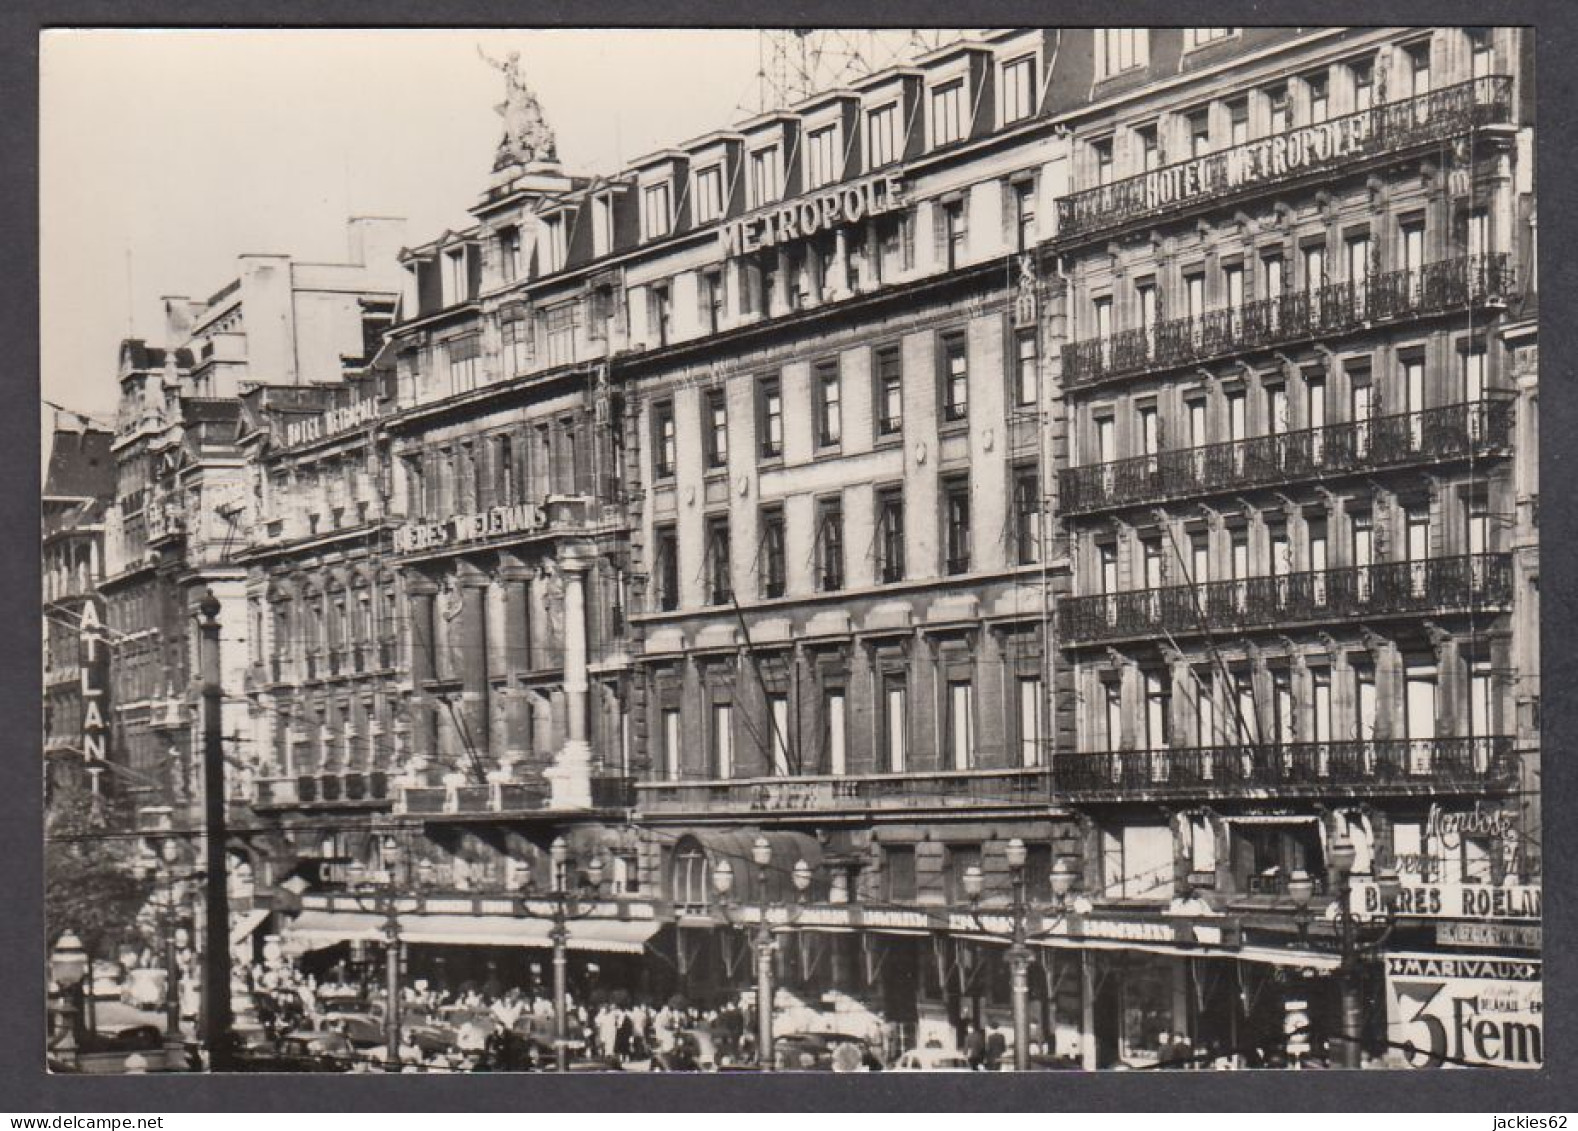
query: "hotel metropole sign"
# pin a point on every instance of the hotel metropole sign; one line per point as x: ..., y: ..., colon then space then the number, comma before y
x: 818, y: 212
x: 460, y: 529
x: 329, y: 423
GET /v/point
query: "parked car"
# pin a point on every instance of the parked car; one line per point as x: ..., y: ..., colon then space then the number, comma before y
x: 362, y: 1029
x: 692, y: 1052
x: 824, y: 1052
x: 319, y: 1045
x: 932, y: 1060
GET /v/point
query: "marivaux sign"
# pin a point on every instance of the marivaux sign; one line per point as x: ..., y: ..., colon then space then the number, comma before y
x: 1465, y: 1010
x: 330, y: 422
x: 1453, y: 901
x: 818, y: 212
x: 415, y: 537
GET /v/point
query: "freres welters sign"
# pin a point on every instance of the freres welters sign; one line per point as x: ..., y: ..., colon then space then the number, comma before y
x: 815, y: 213
x: 417, y: 537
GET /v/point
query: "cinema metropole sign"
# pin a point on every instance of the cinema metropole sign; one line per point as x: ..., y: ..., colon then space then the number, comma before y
x: 810, y: 215
x: 460, y: 529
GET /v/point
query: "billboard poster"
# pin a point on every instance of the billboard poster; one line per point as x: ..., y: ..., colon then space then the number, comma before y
x: 1450, y: 1010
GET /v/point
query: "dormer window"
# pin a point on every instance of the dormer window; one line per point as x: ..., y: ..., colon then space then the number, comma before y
x: 1200, y: 36
x: 1019, y: 89
x: 456, y: 289
x: 657, y: 217
x: 947, y: 113
x: 1120, y: 49
x: 821, y: 157
x: 553, y: 244
x: 767, y: 179
x: 708, y: 193
x: 882, y: 135
x: 603, y: 225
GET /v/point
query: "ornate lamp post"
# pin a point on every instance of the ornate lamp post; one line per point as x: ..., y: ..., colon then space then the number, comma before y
x: 1358, y: 942
x: 564, y: 906
x: 68, y: 965
x: 762, y: 932
x: 1064, y: 879
x: 386, y: 902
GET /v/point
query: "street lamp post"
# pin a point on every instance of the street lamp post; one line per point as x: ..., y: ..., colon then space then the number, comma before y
x: 68, y: 964
x: 1019, y: 934
x: 162, y: 870
x: 388, y: 905
x: 1354, y: 948
x: 565, y: 905
x: 762, y: 933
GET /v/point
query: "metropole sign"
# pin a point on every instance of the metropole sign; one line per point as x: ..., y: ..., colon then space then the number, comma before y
x: 812, y: 214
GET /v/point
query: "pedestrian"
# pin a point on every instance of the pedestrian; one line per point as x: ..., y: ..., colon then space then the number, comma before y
x: 996, y: 1047
x: 975, y: 1047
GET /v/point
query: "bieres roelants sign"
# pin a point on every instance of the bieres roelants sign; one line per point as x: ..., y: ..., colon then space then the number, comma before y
x: 415, y: 537
x: 817, y: 212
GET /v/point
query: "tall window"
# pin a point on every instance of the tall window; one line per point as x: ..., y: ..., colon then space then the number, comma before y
x: 671, y: 765
x: 882, y: 135
x: 555, y: 243
x: 665, y: 560
x: 602, y: 225
x: 722, y: 740
x: 464, y: 355
x: 821, y: 157
x: 1482, y: 52
x: 661, y: 312
x: 955, y: 233
x: 890, y: 391
x: 961, y: 724
x: 772, y: 553
x: 1101, y: 153
x: 895, y: 719
x: 1027, y: 515
x: 890, y: 534
x: 1121, y: 49
x: 561, y: 325
x: 836, y: 732
x: 766, y: 183
x: 956, y: 523
x: 947, y: 113
x: 457, y: 286
x: 709, y: 296
x: 708, y: 202
x: 717, y: 426
x: 656, y: 216
x: 955, y: 378
x: 1030, y: 720
x: 1320, y: 97
x: 1019, y: 89
x: 1417, y: 69
x: 830, y: 544
x: 719, y: 589
x: 1158, y: 710
x: 1027, y: 370
x: 1199, y: 124
x: 1150, y: 148
x: 1363, y: 71
x: 829, y: 408
x: 1024, y: 216
x: 663, y: 439
x: 510, y: 253
x: 517, y: 342
x: 770, y: 407
x: 778, y: 709
x: 1238, y: 121
x: 1277, y: 98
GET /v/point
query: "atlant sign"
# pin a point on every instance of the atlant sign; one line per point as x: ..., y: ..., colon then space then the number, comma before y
x: 1466, y: 1011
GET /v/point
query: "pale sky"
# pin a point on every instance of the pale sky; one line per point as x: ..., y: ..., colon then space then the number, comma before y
x: 185, y: 148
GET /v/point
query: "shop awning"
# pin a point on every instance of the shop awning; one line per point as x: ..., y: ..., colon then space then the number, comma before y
x: 242, y: 925
x: 315, y: 929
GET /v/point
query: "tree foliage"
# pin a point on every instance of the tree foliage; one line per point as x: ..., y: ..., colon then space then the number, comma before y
x: 89, y: 884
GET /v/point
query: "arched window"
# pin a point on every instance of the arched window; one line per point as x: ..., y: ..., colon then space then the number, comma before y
x: 692, y: 886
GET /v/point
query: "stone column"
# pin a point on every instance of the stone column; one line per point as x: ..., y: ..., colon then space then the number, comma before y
x: 424, y: 735
x: 570, y: 775
x: 472, y: 652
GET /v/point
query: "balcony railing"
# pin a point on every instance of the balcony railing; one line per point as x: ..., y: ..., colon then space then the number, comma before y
x: 1388, y: 588
x: 1432, y: 435
x: 826, y: 793
x: 351, y: 788
x: 1389, y: 765
x: 608, y: 792
x: 1316, y: 312
x: 1344, y: 141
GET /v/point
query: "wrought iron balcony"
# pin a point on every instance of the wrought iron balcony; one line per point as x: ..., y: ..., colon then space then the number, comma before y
x: 1434, y: 585
x: 471, y: 799
x: 1432, y: 436
x: 351, y: 789
x: 789, y: 795
x: 1352, y: 139
x: 1302, y: 768
x: 1295, y: 316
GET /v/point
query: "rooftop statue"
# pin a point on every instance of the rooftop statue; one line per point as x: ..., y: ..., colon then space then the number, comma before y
x: 527, y: 135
